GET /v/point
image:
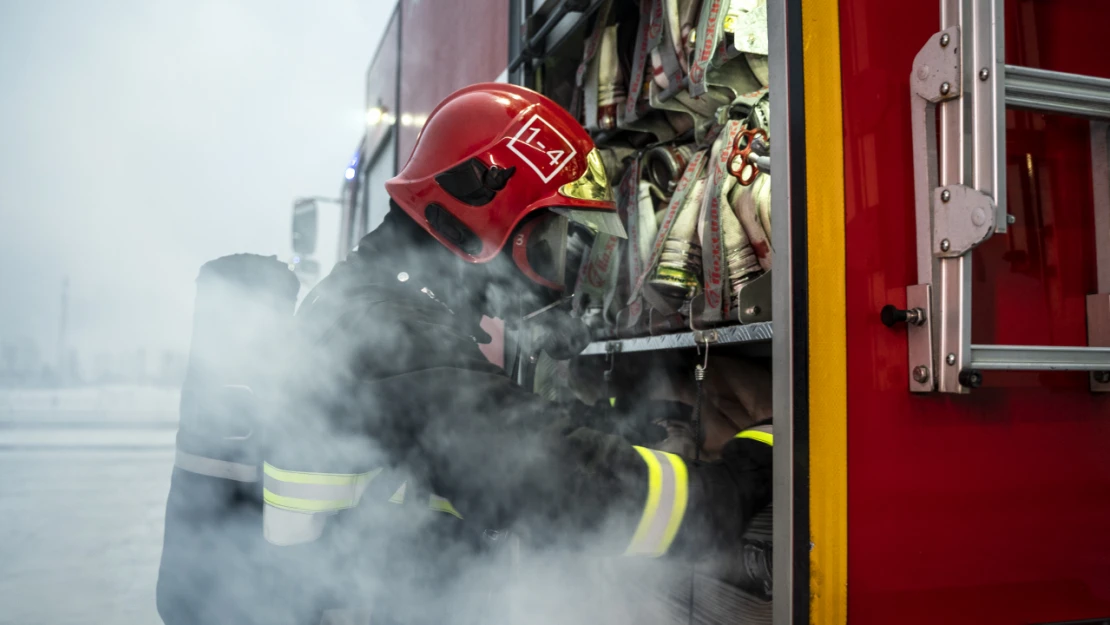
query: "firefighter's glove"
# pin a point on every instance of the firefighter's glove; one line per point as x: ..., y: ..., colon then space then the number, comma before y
x: 641, y: 422
x: 560, y: 334
x: 726, y: 494
x: 637, y: 428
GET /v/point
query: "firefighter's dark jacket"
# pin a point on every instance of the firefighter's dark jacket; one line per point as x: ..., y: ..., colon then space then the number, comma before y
x: 406, y: 373
x: 388, y: 384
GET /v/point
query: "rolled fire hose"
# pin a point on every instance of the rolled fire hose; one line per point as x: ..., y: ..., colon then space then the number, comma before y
x: 742, y: 259
x: 648, y: 227
x: 610, y: 81
x: 676, y: 275
x: 687, y: 184
x: 728, y: 259
x: 664, y: 165
x: 688, y: 12
x: 751, y: 205
x: 585, y: 77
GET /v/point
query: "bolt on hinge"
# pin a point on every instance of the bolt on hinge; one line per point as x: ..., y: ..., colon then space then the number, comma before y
x: 921, y: 374
x: 936, y: 69
x: 962, y: 219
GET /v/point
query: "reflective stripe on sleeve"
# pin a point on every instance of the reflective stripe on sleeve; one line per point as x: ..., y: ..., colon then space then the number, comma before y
x: 435, y: 502
x: 399, y: 496
x: 761, y: 433
x: 211, y: 467
x: 313, y: 492
x: 440, y: 504
x: 668, y: 490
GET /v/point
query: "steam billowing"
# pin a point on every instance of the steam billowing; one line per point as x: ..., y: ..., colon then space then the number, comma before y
x: 370, y: 380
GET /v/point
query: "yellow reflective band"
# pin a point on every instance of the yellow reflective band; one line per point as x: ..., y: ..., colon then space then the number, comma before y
x: 399, y: 496
x: 668, y: 492
x: 764, y: 437
x: 302, y: 491
x: 304, y: 477
x: 612, y: 401
x: 682, y: 493
x: 440, y: 504
x: 297, y: 504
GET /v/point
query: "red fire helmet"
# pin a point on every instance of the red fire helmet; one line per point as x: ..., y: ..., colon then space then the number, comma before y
x: 490, y: 157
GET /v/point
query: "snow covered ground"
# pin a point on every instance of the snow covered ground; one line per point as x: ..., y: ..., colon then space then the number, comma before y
x: 86, y: 472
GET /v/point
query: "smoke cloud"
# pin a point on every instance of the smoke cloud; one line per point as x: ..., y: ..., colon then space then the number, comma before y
x: 145, y: 138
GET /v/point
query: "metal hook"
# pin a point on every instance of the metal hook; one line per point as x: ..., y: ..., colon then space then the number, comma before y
x: 699, y: 370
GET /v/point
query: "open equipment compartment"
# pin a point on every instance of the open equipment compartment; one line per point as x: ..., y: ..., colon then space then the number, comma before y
x: 677, y: 96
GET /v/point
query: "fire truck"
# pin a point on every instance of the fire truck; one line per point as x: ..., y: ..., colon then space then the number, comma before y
x: 937, y: 315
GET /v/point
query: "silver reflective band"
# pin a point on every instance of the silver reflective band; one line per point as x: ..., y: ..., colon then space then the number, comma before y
x: 211, y: 467
x: 284, y: 527
x: 298, y: 503
x: 667, y: 495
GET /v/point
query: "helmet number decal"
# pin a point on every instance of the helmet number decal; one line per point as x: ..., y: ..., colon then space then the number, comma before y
x: 542, y: 147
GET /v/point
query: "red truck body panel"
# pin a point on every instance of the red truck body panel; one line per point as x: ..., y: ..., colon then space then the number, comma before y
x: 447, y: 46
x: 993, y: 507
x: 381, y: 83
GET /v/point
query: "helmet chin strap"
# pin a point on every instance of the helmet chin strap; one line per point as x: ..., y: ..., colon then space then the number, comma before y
x: 557, y: 331
x: 556, y: 303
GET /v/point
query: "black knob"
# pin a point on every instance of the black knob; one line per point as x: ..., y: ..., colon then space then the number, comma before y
x: 891, y: 315
x: 971, y: 378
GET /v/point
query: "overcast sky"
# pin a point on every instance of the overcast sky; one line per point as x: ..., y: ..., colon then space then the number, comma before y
x: 141, y: 138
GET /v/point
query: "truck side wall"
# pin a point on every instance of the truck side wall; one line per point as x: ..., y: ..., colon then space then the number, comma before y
x: 993, y: 507
x: 381, y: 82
x: 446, y: 46
x: 381, y: 95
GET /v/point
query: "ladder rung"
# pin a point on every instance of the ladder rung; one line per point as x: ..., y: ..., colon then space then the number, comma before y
x: 1056, y: 92
x: 1037, y: 358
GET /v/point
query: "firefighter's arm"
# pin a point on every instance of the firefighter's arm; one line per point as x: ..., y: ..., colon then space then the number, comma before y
x: 685, y: 508
x: 542, y: 464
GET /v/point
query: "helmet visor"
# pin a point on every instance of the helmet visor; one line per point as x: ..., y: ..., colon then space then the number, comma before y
x: 597, y: 221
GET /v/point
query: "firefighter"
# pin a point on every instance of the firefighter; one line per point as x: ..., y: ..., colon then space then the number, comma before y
x: 402, y: 446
